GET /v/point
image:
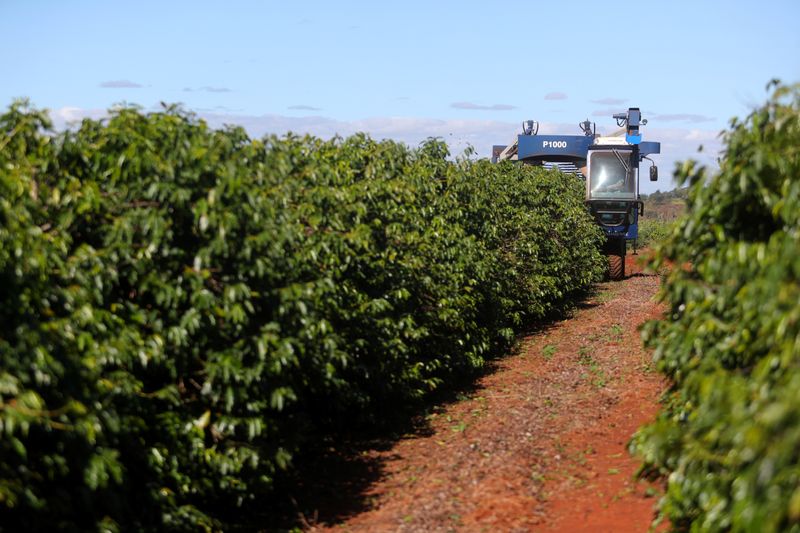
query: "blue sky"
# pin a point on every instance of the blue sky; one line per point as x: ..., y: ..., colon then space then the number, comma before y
x: 466, y: 71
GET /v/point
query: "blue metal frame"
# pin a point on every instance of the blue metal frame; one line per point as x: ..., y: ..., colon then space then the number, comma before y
x: 575, y: 148
x: 648, y: 147
x: 566, y: 147
x: 553, y: 147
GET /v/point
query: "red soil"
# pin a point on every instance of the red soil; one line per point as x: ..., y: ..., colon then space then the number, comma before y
x: 540, y: 445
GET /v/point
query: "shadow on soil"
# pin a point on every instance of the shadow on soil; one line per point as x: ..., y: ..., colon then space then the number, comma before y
x: 643, y: 275
x: 331, y: 481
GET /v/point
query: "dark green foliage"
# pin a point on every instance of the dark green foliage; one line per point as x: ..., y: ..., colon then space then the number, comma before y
x: 535, y: 223
x: 653, y: 231
x: 729, y: 437
x: 678, y: 194
x: 183, y: 309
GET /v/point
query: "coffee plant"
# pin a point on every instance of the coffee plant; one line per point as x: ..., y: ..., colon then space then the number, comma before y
x: 653, y: 231
x: 185, y: 309
x: 729, y: 436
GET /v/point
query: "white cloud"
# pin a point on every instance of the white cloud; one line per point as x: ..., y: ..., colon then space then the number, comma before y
x: 677, y: 144
x: 703, y: 136
x: 459, y: 134
x: 493, y: 107
x: 303, y: 107
x: 215, y: 89
x: 555, y: 96
x: 208, y: 89
x: 608, y: 112
x: 68, y: 116
x: 680, y: 144
x: 682, y: 117
x: 120, y: 84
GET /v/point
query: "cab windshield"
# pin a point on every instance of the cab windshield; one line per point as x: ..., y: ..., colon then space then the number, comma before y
x: 608, y: 176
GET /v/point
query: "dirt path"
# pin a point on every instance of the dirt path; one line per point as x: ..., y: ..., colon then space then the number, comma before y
x: 541, y: 443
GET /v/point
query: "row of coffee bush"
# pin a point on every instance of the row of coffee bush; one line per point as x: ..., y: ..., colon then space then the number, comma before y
x: 185, y: 309
x: 729, y: 436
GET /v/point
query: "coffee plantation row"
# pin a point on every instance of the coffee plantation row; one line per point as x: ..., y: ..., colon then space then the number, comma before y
x: 185, y: 309
x: 729, y: 436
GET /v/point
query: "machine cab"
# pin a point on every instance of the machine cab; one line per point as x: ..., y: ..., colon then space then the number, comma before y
x: 612, y: 183
x: 612, y: 173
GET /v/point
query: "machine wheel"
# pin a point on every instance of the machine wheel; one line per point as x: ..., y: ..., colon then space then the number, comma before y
x: 616, y: 267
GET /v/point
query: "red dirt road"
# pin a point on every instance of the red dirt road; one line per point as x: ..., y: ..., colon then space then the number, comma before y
x: 541, y: 444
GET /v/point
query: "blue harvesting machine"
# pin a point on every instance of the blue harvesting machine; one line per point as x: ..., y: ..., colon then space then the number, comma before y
x: 608, y: 164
